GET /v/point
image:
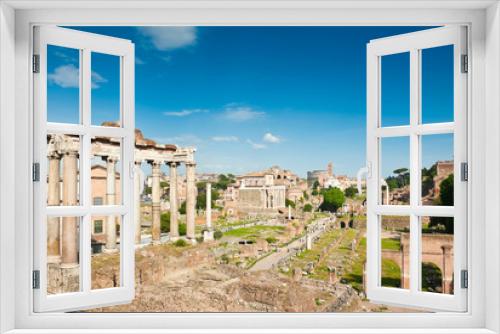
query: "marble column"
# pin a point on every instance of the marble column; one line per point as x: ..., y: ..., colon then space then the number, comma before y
x: 53, y: 199
x: 208, y: 234
x: 190, y: 200
x: 174, y: 213
x: 110, y: 200
x: 156, y: 227
x: 70, y: 235
x: 137, y: 202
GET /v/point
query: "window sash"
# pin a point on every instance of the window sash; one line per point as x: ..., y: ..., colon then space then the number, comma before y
x: 413, y: 43
x: 86, y: 43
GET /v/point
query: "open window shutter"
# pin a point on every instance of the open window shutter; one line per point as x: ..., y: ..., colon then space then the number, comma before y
x: 64, y: 158
x: 417, y: 245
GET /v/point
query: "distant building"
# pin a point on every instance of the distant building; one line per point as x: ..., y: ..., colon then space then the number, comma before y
x: 259, y: 191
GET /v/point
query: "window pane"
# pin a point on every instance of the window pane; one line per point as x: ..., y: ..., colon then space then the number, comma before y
x: 437, y: 254
x: 395, y: 251
x: 63, y: 84
x: 437, y: 84
x: 105, y: 89
x: 63, y: 169
x: 437, y: 169
x: 395, y: 90
x: 106, y: 252
x: 106, y: 171
x: 394, y: 171
x: 63, y: 254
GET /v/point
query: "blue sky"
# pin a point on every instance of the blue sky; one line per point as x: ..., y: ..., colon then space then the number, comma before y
x: 252, y: 97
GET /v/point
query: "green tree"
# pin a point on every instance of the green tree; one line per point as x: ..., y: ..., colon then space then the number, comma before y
x: 223, y: 181
x: 289, y: 203
x: 308, y: 208
x: 333, y: 199
x: 306, y: 196
x: 446, y: 192
x: 165, y: 222
x: 182, y: 209
x: 351, y: 192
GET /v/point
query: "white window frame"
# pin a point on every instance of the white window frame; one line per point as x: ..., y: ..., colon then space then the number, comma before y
x: 85, y: 43
x: 16, y: 20
x: 413, y: 43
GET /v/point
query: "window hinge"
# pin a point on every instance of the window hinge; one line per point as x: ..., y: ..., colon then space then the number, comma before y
x: 464, y: 281
x: 464, y: 170
x: 465, y: 64
x: 36, y: 279
x: 36, y: 63
x: 36, y: 172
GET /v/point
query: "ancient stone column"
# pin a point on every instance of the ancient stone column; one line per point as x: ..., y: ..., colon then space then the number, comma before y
x: 190, y: 200
x: 174, y: 213
x: 53, y: 199
x: 405, y: 266
x: 447, y: 269
x: 110, y: 200
x: 208, y: 234
x: 137, y: 202
x: 70, y: 237
x: 156, y: 227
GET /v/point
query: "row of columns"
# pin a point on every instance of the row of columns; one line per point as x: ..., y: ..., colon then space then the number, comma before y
x: 174, y: 213
x: 63, y: 237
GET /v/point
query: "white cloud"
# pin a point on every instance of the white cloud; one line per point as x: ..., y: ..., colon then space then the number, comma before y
x: 67, y: 76
x: 270, y: 138
x: 225, y: 138
x: 97, y: 79
x: 256, y: 146
x: 169, y: 38
x: 139, y: 61
x: 241, y: 113
x: 184, y: 112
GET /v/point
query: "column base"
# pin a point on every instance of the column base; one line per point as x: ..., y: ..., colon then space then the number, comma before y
x: 69, y: 265
x: 110, y: 250
x: 174, y: 238
x: 56, y: 259
x: 191, y: 240
x: 208, y: 235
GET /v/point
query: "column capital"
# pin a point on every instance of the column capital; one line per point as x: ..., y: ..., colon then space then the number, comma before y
x: 53, y: 155
x: 138, y: 162
x: 156, y: 163
x: 111, y: 158
x: 173, y: 164
x: 190, y: 164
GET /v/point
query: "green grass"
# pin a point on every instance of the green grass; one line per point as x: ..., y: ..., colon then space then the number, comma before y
x: 391, y: 244
x: 391, y: 272
x: 253, y: 232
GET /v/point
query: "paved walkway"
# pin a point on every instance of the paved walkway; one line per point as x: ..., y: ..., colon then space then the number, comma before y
x: 270, y: 261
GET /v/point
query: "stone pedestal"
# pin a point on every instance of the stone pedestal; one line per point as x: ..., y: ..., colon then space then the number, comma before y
x: 309, y: 242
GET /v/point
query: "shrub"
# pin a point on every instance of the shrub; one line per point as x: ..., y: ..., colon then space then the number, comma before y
x: 271, y: 240
x: 165, y: 222
x: 217, y: 235
x: 180, y: 243
x: 308, y: 208
x: 199, y: 240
